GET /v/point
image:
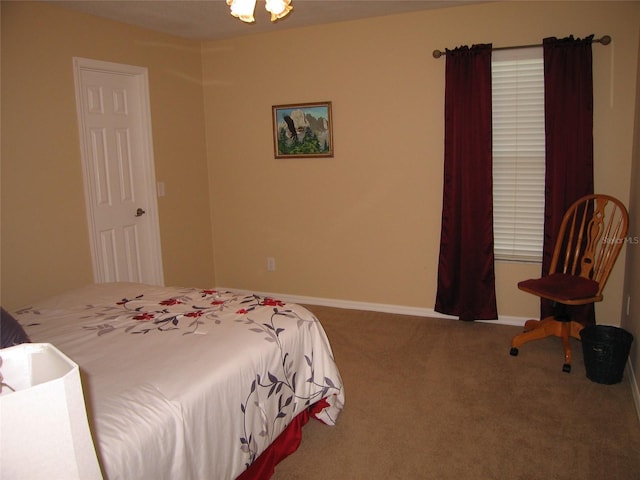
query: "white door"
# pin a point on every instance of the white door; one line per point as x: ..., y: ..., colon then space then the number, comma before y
x: 119, y: 177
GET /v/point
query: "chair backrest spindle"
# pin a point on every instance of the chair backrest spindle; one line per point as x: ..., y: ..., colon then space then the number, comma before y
x: 591, y: 235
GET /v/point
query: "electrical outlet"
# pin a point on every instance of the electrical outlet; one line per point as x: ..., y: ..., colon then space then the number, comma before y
x: 271, y: 264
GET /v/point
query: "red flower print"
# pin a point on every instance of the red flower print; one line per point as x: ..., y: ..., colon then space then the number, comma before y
x: 242, y: 311
x: 196, y: 314
x: 144, y: 317
x: 217, y: 302
x: 209, y: 292
x: 171, y: 301
x: 271, y: 302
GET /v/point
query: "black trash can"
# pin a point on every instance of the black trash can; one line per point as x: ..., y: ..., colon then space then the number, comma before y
x: 605, y: 349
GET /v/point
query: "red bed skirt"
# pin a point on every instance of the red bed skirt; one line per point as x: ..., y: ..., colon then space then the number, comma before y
x: 283, y: 446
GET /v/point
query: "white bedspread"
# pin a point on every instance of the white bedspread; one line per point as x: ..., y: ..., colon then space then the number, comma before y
x: 185, y: 383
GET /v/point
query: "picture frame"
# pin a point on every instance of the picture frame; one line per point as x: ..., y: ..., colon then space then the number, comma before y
x: 303, y: 130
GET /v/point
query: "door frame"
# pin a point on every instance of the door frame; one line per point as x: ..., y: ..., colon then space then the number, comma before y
x: 141, y: 78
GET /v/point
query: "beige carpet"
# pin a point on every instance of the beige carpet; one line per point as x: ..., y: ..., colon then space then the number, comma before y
x: 443, y: 399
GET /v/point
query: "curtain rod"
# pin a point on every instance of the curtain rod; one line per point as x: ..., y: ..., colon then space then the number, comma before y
x: 604, y: 40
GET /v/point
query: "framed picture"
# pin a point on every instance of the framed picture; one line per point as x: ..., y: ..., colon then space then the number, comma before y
x: 303, y: 130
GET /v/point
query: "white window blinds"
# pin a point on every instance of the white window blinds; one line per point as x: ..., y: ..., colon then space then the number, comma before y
x: 518, y: 154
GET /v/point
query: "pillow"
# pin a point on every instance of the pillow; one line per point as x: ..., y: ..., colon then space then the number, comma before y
x: 11, y: 332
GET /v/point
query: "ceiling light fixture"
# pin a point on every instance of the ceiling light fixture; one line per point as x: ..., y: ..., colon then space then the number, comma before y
x: 243, y: 9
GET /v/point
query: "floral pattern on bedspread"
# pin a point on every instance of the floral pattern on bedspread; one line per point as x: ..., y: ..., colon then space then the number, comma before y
x: 187, y: 312
x: 292, y: 384
x: 297, y: 372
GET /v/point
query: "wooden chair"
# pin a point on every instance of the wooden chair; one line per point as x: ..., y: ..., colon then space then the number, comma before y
x: 591, y: 235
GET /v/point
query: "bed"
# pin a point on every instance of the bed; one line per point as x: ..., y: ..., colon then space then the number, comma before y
x: 191, y: 383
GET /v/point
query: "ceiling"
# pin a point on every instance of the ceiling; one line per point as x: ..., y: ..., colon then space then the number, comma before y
x: 210, y: 19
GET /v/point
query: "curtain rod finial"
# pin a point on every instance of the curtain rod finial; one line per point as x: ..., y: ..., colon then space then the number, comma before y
x: 437, y: 54
x: 605, y: 40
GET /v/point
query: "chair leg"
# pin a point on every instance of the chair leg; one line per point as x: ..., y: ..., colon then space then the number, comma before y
x: 532, y: 324
x: 576, y: 328
x: 550, y: 326
x: 569, y: 329
x: 565, y: 331
x: 537, y: 329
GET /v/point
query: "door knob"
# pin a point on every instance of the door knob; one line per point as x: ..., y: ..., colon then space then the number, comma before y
x: 140, y: 212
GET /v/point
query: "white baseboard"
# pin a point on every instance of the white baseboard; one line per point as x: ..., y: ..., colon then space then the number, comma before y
x: 635, y: 391
x: 376, y: 307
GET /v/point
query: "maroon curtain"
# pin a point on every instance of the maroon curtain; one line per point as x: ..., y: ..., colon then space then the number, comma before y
x: 568, y: 84
x: 466, y: 277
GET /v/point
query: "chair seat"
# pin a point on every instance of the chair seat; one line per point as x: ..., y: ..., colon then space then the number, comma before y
x: 561, y: 286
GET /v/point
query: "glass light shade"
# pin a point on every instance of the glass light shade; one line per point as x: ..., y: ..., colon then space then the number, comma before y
x: 278, y: 8
x: 243, y: 9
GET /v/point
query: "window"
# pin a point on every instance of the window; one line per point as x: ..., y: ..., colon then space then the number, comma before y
x: 518, y: 154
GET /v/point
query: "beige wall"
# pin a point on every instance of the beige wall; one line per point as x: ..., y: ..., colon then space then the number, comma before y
x: 630, y: 320
x: 45, y: 244
x: 364, y: 226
